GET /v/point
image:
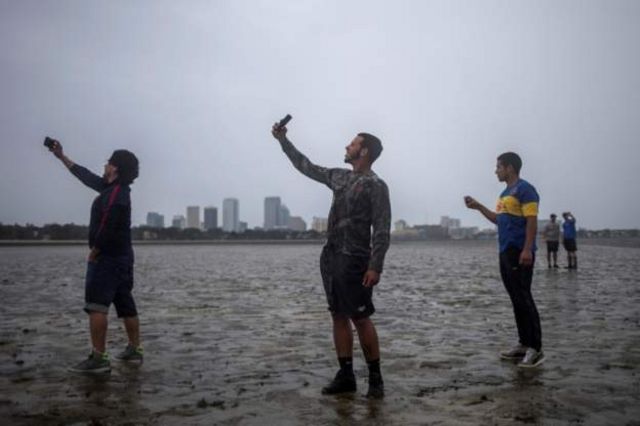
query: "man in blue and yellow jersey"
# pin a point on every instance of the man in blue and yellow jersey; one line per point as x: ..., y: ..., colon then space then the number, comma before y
x: 517, y: 217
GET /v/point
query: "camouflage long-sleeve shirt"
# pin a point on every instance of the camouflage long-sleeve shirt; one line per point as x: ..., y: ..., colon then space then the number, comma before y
x: 360, y: 202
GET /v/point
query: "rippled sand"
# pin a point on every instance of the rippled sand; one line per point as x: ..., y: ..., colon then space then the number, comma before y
x: 241, y: 335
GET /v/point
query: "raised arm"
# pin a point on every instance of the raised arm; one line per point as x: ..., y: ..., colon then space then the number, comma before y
x: 299, y: 160
x: 475, y: 205
x: 90, y: 179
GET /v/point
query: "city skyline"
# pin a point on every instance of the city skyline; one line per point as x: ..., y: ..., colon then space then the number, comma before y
x: 276, y: 216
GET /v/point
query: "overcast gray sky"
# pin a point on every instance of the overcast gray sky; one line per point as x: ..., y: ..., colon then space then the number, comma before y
x: 193, y: 89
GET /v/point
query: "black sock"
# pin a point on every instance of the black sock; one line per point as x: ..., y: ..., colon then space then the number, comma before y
x: 374, y: 367
x: 346, y: 364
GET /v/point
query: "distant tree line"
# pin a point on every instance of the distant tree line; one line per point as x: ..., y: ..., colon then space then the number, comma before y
x: 68, y: 231
x: 71, y: 231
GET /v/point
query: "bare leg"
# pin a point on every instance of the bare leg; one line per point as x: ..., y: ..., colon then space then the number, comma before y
x: 368, y: 338
x: 98, y: 327
x: 342, y: 336
x: 132, y: 325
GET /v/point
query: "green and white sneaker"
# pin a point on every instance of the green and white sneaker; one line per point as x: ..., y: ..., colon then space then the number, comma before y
x: 515, y: 353
x: 532, y: 359
x: 131, y: 353
x: 96, y: 363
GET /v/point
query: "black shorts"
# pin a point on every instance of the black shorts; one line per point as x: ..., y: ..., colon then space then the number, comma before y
x: 342, y: 277
x: 109, y: 281
x: 570, y: 244
x: 552, y: 246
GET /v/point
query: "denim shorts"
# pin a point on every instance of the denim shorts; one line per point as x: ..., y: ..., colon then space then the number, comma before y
x: 110, y: 280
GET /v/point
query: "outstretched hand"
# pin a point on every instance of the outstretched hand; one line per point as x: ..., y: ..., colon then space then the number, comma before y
x: 371, y: 278
x: 280, y: 133
x: 471, y: 202
x: 56, y: 149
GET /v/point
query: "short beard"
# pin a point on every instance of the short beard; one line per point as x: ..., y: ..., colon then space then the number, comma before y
x: 350, y: 160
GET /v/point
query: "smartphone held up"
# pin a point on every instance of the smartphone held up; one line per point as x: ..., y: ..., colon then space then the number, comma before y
x: 284, y: 121
x: 49, y: 142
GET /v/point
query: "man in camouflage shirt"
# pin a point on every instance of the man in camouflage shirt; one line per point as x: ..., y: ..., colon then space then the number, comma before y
x: 352, y: 259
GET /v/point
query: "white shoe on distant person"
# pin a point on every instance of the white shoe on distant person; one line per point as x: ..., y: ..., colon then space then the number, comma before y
x: 532, y: 359
x: 517, y: 352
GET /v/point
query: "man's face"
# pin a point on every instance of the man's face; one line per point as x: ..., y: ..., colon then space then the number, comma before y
x: 553, y: 219
x: 501, y: 172
x: 353, y: 150
x: 110, y: 172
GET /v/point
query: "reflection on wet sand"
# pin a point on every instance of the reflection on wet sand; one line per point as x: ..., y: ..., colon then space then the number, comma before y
x: 240, y: 335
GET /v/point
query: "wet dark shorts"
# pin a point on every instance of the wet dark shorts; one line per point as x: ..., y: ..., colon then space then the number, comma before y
x: 570, y: 244
x: 342, y: 278
x: 552, y: 246
x: 110, y: 281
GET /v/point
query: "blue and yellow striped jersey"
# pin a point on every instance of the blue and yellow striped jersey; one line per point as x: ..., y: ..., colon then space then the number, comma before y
x: 515, y: 204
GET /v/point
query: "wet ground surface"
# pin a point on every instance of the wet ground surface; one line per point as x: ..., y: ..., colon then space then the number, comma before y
x: 241, y: 335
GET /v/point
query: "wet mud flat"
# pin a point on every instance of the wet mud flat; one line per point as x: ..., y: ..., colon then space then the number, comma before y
x: 241, y: 335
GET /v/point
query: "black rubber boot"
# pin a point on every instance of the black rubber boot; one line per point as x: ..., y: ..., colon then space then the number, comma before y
x: 342, y: 383
x: 376, y: 386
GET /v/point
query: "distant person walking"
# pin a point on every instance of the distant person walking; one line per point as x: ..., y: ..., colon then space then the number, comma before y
x: 352, y: 259
x: 551, y: 235
x: 569, y: 239
x: 516, y: 217
x: 109, y: 276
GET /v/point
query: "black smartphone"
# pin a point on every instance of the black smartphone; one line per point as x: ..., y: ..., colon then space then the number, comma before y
x: 48, y: 142
x: 284, y: 121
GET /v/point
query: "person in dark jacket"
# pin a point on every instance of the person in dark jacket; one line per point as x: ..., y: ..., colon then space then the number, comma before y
x: 109, y: 276
x: 353, y: 257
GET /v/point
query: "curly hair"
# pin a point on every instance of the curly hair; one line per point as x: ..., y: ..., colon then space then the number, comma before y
x: 127, y: 164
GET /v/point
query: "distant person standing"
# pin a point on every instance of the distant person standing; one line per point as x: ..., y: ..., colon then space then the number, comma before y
x: 352, y: 259
x: 569, y: 239
x: 551, y: 235
x: 109, y: 276
x: 516, y: 216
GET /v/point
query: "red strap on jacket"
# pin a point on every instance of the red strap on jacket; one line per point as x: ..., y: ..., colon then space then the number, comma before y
x: 105, y: 212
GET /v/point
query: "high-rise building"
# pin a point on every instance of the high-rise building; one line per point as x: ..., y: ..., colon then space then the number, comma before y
x: 319, y: 224
x: 210, y: 218
x: 178, y: 222
x: 449, y: 222
x: 296, y: 223
x: 231, y: 215
x: 283, y: 217
x: 193, y: 217
x: 155, y: 220
x: 242, y: 226
x: 271, y: 212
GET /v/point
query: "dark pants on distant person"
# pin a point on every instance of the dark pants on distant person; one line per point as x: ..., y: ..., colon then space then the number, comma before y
x: 517, y: 281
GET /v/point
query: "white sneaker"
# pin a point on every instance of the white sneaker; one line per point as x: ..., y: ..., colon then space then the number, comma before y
x: 517, y: 352
x: 532, y: 359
